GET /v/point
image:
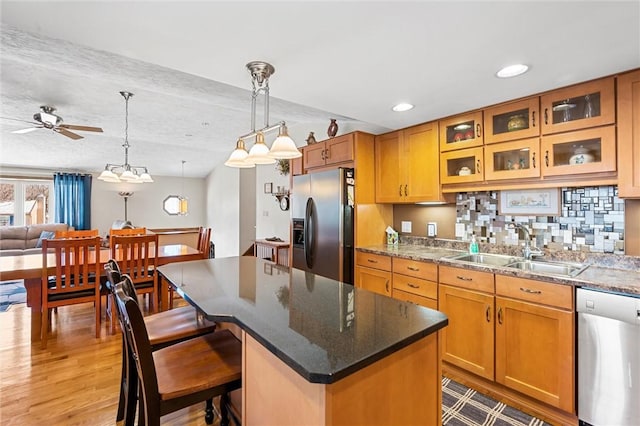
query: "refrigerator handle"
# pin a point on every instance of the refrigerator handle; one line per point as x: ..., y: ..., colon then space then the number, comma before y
x: 309, y: 232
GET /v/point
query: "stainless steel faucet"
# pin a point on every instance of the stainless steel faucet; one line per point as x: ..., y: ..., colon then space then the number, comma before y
x: 528, y: 251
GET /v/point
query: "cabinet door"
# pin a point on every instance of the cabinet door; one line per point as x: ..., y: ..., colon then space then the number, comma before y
x: 296, y: 164
x: 373, y: 280
x: 467, y: 341
x: 515, y: 120
x: 405, y: 296
x: 314, y: 155
x: 578, y: 107
x: 461, y: 131
x: 512, y: 160
x: 461, y: 166
x: 629, y: 135
x: 339, y: 149
x: 421, y: 159
x: 535, y: 351
x: 583, y: 151
x: 389, y: 174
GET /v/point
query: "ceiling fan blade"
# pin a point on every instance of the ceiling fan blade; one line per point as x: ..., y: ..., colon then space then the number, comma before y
x: 84, y: 128
x: 27, y: 130
x: 22, y: 121
x: 67, y: 133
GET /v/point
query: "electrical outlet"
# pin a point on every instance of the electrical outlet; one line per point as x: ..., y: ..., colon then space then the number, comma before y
x: 406, y: 226
x: 432, y: 229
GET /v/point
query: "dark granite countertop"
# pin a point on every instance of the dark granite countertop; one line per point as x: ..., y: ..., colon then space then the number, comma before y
x: 321, y: 328
x: 610, y: 278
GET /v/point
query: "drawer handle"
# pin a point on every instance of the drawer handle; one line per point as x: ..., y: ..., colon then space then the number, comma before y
x: 372, y: 261
x: 322, y: 154
x: 411, y: 268
x: 479, y: 170
x: 488, y: 313
x: 405, y: 191
x: 463, y: 278
x: 500, y: 316
x: 546, y: 158
x: 386, y: 286
x: 533, y: 118
x: 478, y: 131
x: 400, y: 190
x: 327, y: 154
x: 528, y: 290
x: 533, y: 158
x: 413, y: 285
x: 546, y: 116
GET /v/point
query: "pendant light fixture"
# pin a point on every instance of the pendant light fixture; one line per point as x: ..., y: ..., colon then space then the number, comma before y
x: 283, y: 147
x: 183, y: 202
x: 125, y: 172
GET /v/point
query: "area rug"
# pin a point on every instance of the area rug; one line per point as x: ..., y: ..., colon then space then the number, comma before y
x: 466, y: 407
x: 11, y: 292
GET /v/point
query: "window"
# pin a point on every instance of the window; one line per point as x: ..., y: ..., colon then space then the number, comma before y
x: 26, y: 202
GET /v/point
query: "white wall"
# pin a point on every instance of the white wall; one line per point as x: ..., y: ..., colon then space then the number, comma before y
x: 222, y: 210
x: 270, y: 220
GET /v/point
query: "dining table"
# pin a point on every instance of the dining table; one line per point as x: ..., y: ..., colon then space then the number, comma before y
x: 315, y: 350
x: 28, y: 267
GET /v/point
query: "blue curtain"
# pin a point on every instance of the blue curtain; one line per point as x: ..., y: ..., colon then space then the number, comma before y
x: 73, y: 199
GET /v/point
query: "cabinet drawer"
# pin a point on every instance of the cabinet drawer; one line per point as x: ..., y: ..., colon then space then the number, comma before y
x: 558, y: 295
x: 415, y: 268
x: 371, y: 260
x: 414, y: 285
x: 414, y: 298
x: 460, y: 277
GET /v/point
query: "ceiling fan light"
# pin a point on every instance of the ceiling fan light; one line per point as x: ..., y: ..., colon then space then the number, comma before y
x: 284, y: 147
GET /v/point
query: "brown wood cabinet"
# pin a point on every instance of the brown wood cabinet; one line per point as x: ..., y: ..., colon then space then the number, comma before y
x: 629, y: 135
x: 373, y: 273
x: 461, y: 131
x: 332, y: 151
x: 578, y: 107
x: 512, y: 121
x: 535, y: 340
x: 512, y: 160
x: 415, y: 281
x: 407, y: 165
x: 462, y: 166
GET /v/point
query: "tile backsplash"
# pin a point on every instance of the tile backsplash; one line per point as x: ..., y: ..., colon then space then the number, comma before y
x: 591, y: 219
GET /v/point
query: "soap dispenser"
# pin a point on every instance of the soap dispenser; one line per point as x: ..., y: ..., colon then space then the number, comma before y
x: 473, y: 247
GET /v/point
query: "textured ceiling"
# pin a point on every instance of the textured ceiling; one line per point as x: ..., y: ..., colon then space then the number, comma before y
x: 185, y: 63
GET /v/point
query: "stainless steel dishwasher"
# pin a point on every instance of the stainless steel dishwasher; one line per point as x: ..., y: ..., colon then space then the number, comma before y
x: 608, y: 358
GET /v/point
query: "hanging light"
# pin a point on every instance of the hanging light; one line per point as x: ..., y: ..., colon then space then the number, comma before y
x: 125, y: 172
x: 283, y: 147
x: 183, y: 202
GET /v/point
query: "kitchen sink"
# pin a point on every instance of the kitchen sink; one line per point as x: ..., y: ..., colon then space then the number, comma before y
x: 485, y: 258
x: 551, y: 268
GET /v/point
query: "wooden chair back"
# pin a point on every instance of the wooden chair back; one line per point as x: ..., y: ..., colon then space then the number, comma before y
x: 76, y: 278
x: 83, y: 233
x: 204, y: 240
x: 137, y: 256
x: 126, y: 231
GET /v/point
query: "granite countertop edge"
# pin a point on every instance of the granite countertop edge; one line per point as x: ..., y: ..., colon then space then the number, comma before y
x: 595, y: 276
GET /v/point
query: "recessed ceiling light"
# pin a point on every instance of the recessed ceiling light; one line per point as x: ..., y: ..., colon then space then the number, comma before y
x: 402, y: 107
x: 512, y: 70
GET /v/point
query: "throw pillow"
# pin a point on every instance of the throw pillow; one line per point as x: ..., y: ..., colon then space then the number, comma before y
x: 45, y: 234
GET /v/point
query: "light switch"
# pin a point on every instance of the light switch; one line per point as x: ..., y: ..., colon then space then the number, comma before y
x: 406, y: 226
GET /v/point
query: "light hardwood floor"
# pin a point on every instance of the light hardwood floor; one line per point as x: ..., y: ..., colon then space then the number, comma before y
x: 75, y: 381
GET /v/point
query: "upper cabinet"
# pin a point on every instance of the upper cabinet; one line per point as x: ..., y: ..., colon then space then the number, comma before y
x: 584, y: 151
x: 515, y: 120
x: 461, y: 131
x: 332, y: 151
x: 407, y: 165
x: 461, y: 166
x: 578, y: 107
x: 629, y: 135
x: 512, y: 160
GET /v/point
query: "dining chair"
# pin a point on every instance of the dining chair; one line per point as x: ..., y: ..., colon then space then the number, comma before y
x: 82, y: 233
x: 76, y: 278
x: 164, y: 329
x: 125, y: 231
x: 204, y: 240
x: 137, y: 256
x: 183, y: 374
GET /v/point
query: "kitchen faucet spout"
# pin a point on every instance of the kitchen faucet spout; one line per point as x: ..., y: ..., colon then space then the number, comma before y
x: 528, y: 251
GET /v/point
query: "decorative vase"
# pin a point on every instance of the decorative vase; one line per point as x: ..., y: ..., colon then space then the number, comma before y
x: 581, y: 156
x: 516, y: 122
x: 333, y: 128
x: 311, y: 139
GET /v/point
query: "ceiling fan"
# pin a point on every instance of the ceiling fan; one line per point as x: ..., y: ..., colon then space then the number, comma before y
x: 47, y: 119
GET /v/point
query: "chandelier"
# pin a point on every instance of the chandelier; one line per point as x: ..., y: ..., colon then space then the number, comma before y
x: 283, y: 147
x: 125, y: 172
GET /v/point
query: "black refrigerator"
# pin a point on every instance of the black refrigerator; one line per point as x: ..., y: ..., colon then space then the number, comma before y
x: 322, y: 223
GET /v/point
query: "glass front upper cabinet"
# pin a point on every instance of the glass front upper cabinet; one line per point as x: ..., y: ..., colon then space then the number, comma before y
x: 461, y: 131
x: 579, y: 107
x: 584, y: 151
x: 461, y: 166
x: 515, y: 120
x: 512, y: 160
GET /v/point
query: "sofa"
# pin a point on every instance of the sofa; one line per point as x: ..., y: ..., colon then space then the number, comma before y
x: 17, y: 240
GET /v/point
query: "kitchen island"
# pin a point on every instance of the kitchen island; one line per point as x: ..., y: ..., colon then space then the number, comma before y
x: 317, y: 351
